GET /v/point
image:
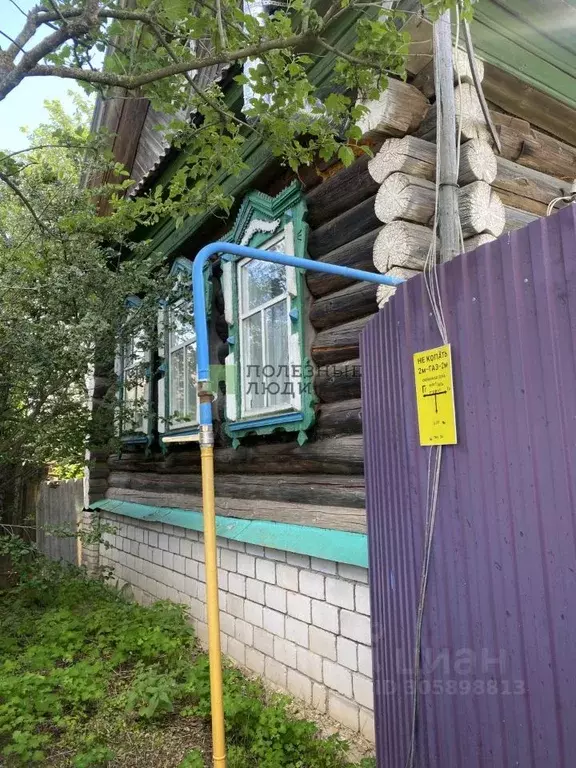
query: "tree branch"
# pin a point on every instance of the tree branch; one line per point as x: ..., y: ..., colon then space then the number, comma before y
x: 18, y: 192
x: 4, y: 157
x: 221, y: 30
x: 11, y: 40
x: 353, y: 59
x: 132, y: 82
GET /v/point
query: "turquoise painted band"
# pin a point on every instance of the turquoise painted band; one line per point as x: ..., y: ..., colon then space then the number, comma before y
x: 326, y: 544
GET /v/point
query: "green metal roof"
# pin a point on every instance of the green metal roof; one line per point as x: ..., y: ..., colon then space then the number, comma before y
x: 535, y: 40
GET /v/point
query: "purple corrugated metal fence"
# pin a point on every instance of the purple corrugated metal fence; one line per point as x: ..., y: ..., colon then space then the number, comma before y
x: 498, y: 684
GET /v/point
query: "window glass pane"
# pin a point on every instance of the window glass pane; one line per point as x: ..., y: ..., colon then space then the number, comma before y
x: 191, y: 380
x: 181, y: 325
x: 139, y: 404
x: 251, y: 373
x: 135, y: 350
x: 261, y: 282
x: 177, y: 382
x: 129, y: 398
x: 277, y: 356
x: 134, y: 405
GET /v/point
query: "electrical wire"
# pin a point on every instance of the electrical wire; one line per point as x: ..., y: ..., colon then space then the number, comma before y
x: 432, y: 284
x: 565, y: 199
x: 478, y: 86
x: 459, y: 136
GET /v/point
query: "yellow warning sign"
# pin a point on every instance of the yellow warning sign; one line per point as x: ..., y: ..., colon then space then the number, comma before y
x: 435, y: 396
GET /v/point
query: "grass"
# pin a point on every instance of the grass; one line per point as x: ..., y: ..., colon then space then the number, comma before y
x: 88, y: 678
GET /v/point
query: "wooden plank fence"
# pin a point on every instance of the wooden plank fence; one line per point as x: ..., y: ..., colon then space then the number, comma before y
x: 60, y: 503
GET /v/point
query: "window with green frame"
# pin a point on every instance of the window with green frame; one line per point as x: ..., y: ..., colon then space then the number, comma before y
x: 132, y: 367
x: 268, y: 375
x: 177, y: 394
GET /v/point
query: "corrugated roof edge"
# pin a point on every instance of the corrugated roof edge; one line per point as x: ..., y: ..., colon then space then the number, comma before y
x: 219, y: 72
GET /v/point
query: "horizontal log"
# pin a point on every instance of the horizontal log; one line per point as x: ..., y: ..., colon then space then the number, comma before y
x: 413, y: 199
x: 317, y: 516
x: 417, y: 157
x: 532, y: 207
x: 337, y: 344
x: 518, y: 98
x: 98, y: 485
x: 470, y: 120
x: 525, y: 145
x: 333, y: 457
x: 343, y: 229
x: 410, y: 155
x: 475, y: 242
x: 326, y: 490
x: 481, y: 210
x: 402, y: 244
x: 405, y: 197
x: 341, y: 418
x: 340, y: 192
x: 100, y: 471
x: 350, y: 303
x: 527, y: 189
x: 516, y: 219
x: 477, y: 162
x: 385, y: 292
x: 399, y: 110
x: 357, y: 254
x: 424, y: 81
x: 337, y: 382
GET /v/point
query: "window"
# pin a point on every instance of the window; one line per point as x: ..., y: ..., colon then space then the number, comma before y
x: 182, y: 397
x: 177, y: 392
x: 133, y: 372
x: 135, y: 383
x: 264, y: 319
x: 268, y: 377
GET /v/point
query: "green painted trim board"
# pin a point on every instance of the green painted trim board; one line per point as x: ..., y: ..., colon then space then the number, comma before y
x: 338, y: 546
x: 511, y: 39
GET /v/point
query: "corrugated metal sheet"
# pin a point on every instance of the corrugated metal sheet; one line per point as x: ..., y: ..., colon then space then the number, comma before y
x: 153, y: 147
x: 499, y: 636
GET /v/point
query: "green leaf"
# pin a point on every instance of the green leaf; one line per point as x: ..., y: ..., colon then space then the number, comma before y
x: 346, y: 155
x: 176, y: 10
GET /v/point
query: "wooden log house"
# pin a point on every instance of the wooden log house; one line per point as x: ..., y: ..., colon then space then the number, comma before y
x: 289, y: 459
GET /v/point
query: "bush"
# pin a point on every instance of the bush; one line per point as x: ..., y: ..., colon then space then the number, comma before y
x: 79, y: 663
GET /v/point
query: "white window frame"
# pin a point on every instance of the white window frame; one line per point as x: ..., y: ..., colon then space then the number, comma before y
x: 135, y: 359
x: 174, y: 423
x: 293, y: 350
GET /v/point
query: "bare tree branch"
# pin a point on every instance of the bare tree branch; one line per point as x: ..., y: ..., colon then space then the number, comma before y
x: 22, y: 11
x: 4, y: 157
x: 221, y: 30
x: 11, y: 40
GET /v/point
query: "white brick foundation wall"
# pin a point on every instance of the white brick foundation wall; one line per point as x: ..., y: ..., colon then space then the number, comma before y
x: 300, y: 622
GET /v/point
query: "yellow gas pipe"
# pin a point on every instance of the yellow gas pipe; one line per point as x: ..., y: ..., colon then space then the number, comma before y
x: 207, y: 450
x: 213, y: 608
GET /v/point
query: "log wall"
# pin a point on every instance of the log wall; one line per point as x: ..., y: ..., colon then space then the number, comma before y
x: 376, y: 215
